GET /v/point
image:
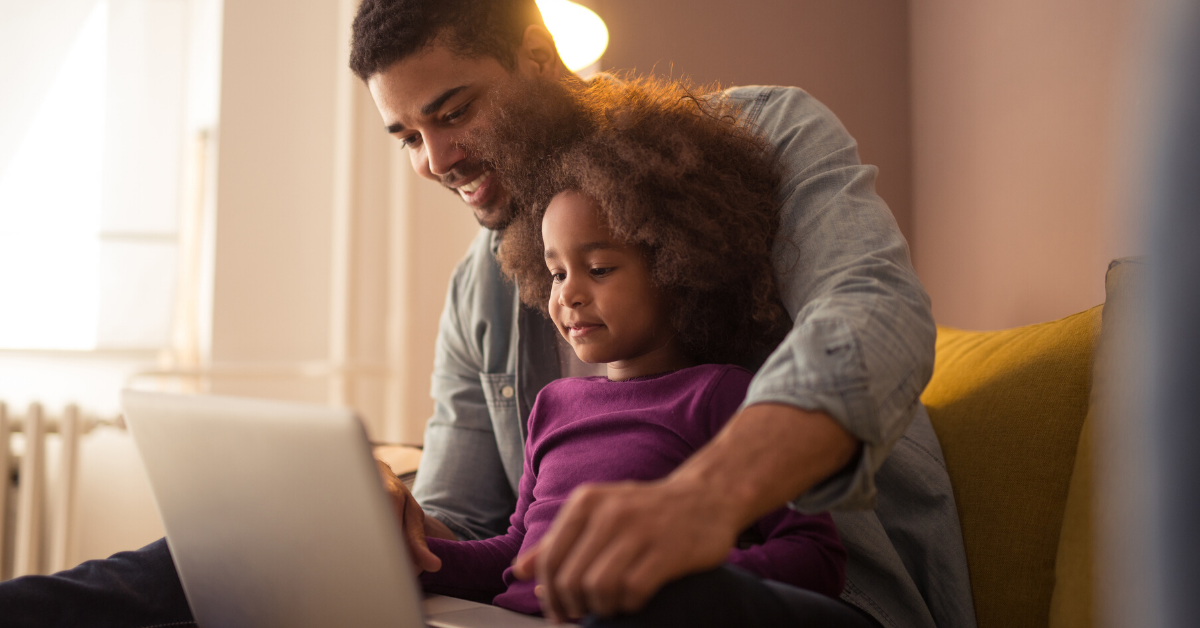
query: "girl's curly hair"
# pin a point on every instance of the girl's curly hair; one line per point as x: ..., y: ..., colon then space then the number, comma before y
x: 675, y: 174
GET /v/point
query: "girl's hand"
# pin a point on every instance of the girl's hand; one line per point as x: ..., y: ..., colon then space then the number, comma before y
x: 413, y: 522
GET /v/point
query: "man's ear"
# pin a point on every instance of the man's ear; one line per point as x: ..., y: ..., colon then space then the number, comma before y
x: 538, y: 55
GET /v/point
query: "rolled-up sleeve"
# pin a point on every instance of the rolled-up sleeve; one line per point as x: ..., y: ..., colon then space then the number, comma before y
x: 861, y: 346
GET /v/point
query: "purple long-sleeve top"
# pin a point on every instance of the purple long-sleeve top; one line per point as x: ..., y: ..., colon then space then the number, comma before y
x: 595, y: 430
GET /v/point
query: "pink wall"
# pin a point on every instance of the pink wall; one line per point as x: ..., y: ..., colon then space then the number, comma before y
x: 851, y: 54
x: 1016, y: 117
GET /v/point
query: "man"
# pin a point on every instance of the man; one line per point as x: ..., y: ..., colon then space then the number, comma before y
x: 821, y: 417
x: 832, y: 420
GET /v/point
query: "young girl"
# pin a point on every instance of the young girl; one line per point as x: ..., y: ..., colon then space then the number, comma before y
x: 648, y: 220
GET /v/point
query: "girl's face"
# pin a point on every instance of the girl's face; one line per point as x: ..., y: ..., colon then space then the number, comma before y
x: 602, y: 299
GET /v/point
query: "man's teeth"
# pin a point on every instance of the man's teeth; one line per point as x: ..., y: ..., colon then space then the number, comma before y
x: 474, y: 185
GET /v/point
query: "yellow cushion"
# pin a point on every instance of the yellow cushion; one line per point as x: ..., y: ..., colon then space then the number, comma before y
x: 1071, y: 605
x: 1007, y: 407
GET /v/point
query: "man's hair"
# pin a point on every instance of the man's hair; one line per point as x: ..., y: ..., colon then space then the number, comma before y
x: 675, y: 174
x: 386, y: 31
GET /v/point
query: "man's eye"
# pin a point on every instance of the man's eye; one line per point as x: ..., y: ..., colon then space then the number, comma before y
x: 458, y: 113
x: 600, y: 272
x: 408, y: 141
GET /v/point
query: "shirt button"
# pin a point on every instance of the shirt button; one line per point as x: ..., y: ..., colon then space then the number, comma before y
x: 507, y: 392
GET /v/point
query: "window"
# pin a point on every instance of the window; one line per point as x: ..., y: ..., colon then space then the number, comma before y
x: 103, y: 102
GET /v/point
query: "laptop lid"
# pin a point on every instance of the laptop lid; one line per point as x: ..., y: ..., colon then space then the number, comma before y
x: 274, y: 513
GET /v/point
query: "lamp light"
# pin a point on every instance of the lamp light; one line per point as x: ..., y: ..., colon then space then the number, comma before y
x: 579, y: 33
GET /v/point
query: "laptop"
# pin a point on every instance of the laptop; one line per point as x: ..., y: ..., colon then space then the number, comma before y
x: 275, y: 516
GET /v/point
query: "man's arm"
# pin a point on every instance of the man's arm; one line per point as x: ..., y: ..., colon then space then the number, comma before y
x: 821, y: 414
x: 613, y: 546
x: 861, y: 347
x: 461, y: 481
x: 461, y: 490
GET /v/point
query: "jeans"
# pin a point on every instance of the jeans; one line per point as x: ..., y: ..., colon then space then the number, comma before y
x: 729, y: 597
x: 141, y: 589
x: 138, y: 589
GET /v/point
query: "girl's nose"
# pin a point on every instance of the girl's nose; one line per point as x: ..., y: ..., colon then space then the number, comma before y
x: 571, y: 294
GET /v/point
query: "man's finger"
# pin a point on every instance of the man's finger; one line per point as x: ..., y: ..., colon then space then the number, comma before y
x: 567, y: 526
x: 595, y: 537
x: 605, y: 580
x: 525, y: 565
x: 547, y: 609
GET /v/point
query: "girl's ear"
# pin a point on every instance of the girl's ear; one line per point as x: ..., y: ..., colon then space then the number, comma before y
x: 538, y: 56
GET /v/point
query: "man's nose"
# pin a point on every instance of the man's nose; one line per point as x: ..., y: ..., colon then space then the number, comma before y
x: 443, y: 154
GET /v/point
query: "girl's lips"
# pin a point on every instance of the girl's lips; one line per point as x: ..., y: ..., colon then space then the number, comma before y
x: 581, y: 330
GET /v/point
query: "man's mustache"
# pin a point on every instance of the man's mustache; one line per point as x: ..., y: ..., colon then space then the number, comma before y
x: 464, y: 173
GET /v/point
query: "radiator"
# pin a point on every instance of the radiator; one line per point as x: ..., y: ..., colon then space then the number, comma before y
x: 37, y: 500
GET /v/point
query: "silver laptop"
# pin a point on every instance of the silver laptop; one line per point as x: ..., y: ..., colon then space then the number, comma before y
x: 275, y: 516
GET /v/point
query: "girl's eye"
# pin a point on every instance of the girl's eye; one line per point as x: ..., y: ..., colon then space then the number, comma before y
x: 600, y: 272
x: 558, y: 277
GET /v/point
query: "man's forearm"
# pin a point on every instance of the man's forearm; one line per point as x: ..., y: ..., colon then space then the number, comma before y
x: 766, y: 456
x: 612, y: 546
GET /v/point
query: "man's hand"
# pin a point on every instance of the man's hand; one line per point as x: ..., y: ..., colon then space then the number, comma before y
x: 613, y: 546
x: 413, y: 522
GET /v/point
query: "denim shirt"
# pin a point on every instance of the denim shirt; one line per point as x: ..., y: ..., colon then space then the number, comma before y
x: 861, y: 350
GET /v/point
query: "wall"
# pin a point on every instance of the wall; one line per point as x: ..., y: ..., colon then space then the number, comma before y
x: 1018, y: 108
x: 271, y: 282
x: 852, y: 55
x: 440, y: 229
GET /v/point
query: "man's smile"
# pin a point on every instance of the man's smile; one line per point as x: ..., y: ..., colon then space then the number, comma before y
x: 478, y: 190
x: 474, y: 185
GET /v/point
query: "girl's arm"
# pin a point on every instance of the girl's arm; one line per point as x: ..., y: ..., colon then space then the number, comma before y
x: 801, y: 550
x: 474, y: 569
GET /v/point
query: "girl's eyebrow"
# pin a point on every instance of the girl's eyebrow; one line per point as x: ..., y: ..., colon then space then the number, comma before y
x: 595, y: 246
x: 598, y: 245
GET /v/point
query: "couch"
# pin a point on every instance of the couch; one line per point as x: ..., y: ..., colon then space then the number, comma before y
x: 1014, y: 411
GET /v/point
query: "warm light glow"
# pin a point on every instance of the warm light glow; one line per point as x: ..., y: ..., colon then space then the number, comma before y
x: 580, y: 34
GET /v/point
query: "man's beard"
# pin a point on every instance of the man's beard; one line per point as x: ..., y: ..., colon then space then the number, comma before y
x: 533, y: 121
x: 496, y: 219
